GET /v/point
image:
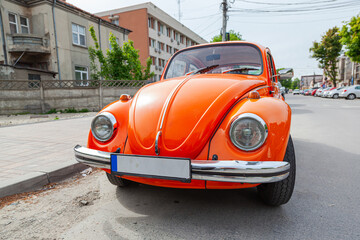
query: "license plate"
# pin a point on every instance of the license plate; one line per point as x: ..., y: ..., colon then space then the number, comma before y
x: 152, y: 167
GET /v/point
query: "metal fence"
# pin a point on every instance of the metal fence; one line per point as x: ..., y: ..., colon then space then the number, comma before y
x: 69, y: 84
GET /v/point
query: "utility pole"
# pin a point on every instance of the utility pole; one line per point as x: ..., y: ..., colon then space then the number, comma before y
x: 224, y: 6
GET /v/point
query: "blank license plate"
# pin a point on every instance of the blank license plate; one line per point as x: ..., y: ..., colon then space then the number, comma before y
x: 152, y: 167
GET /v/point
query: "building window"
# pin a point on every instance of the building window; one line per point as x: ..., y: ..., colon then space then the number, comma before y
x: 81, y: 74
x: 161, y: 46
x: 13, y: 23
x: 115, y: 21
x: 78, y: 35
x: 160, y: 28
x: 168, y: 32
x: 168, y: 49
x: 24, y: 25
x: 151, y: 22
x: 153, y: 59
x: 152, y: 42
x: 182, y: 39
x: 177, y: 36
x: 161, y: 62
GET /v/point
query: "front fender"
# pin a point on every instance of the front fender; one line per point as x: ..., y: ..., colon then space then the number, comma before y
x: 277, y: 115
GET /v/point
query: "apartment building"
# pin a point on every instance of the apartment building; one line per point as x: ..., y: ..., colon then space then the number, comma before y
x: 49, y: 39
x: 310, y: 81
x: 346, y: 70
x: 155, y: 33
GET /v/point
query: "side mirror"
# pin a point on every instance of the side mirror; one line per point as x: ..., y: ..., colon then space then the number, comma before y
x: 286, y: 73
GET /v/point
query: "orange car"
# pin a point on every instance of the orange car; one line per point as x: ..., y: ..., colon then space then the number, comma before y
x: 215, y: 120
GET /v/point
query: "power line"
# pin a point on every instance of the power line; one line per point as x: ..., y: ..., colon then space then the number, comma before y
x: 288, y: 4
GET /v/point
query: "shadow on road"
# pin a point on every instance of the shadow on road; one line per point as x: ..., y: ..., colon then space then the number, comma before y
x: 319, y: 209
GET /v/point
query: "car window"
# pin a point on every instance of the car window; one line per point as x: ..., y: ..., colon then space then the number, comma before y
x: 232, y: 58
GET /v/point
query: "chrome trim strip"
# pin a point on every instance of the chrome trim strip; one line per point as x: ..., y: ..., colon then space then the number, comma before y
x: 239, y: 167
x: 92, y: 157
x: 240, y: 179
x: 157, y: 150
x: 223, y: 171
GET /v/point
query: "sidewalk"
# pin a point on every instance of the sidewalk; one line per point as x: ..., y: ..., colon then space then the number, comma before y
x: 32, y: 155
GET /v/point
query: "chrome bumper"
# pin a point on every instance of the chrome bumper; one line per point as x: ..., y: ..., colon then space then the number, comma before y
x: 223, y: 171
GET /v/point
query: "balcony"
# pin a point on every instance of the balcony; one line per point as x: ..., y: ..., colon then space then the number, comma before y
x: 28, y: 43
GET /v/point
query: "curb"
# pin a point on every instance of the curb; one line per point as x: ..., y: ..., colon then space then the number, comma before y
x: 36, y: 180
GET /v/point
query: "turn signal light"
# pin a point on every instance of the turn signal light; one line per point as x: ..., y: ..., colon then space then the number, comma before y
x: 254, y: 95
x: 125, y: 97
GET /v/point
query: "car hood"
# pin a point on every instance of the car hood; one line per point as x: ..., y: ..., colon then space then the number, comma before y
x: 182, y: 113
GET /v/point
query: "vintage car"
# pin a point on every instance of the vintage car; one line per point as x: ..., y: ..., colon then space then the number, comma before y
x: 215, y: 120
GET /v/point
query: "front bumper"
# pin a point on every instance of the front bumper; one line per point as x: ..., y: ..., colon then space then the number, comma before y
x: 223, y: 171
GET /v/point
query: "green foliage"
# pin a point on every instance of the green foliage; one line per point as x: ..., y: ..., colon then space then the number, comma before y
x: 53, y: 110
x: 295, y: 83
x: 233, y: 37
x: 350, y: 36
x: 120, y: 63
x: 327, y: 51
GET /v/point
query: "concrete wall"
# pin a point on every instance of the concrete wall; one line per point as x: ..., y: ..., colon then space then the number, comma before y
x: 20, y: 101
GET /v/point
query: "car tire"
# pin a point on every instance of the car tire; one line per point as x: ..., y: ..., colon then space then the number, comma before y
x: 118, y: 181
x: 351, y: 96
x: 336, y: 96
x: 278, y: 193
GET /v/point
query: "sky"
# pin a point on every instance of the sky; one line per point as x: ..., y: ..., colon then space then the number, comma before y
x: 287, y: 27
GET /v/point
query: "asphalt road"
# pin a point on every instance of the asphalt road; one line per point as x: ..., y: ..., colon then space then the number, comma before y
x: 325, y: 203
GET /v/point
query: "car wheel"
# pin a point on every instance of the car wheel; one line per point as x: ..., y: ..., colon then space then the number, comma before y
x: 351, y: 97
x: 336, y: 96
x: 278, y: 193
x: 118, y: 181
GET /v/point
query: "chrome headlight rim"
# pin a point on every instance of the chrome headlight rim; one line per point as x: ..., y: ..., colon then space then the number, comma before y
x: 113, y: 122
x: 253, y: 117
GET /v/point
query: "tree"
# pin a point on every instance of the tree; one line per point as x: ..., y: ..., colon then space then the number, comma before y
x: 327, y: 51
x: 233, y: 37
x: 350, y: 37
x: 120, y: 63
x: 295, y: 83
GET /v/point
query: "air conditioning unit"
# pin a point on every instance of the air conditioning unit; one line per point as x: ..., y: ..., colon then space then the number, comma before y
x: 171, y: 40
x: 156, y: 67
x: 156, y: 50
x: 159, y: 33
x: 178, y: 43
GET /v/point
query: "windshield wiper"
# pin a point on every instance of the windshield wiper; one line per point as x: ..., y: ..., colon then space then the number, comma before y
x: 205, y: 69
x: 240, y: 69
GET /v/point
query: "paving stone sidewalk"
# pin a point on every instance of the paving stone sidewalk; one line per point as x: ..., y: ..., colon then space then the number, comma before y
x: 33, y: 155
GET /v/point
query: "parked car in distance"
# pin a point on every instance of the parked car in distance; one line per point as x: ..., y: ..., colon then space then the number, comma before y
x: 335, y: 92
x: 308, y: 92
x: 313, y: 92
x: 351, y: 92
x: 296, y: 92
x: 326, y: 91
x: 234, y: 133
x: 301, y: 91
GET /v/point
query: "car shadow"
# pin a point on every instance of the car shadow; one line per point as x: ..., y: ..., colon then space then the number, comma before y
x: 234, y: 214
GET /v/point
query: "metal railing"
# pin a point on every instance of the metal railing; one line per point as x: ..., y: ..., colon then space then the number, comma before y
x: 69, y: 84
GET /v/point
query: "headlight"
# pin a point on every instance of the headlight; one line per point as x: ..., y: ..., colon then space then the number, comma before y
x: 248, y: 132
x: 102, y: 126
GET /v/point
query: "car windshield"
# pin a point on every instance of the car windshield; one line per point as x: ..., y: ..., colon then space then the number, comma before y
x: 230, y: 58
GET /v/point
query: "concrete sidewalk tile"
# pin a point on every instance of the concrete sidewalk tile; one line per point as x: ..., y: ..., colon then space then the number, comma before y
x: 23, y: 183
